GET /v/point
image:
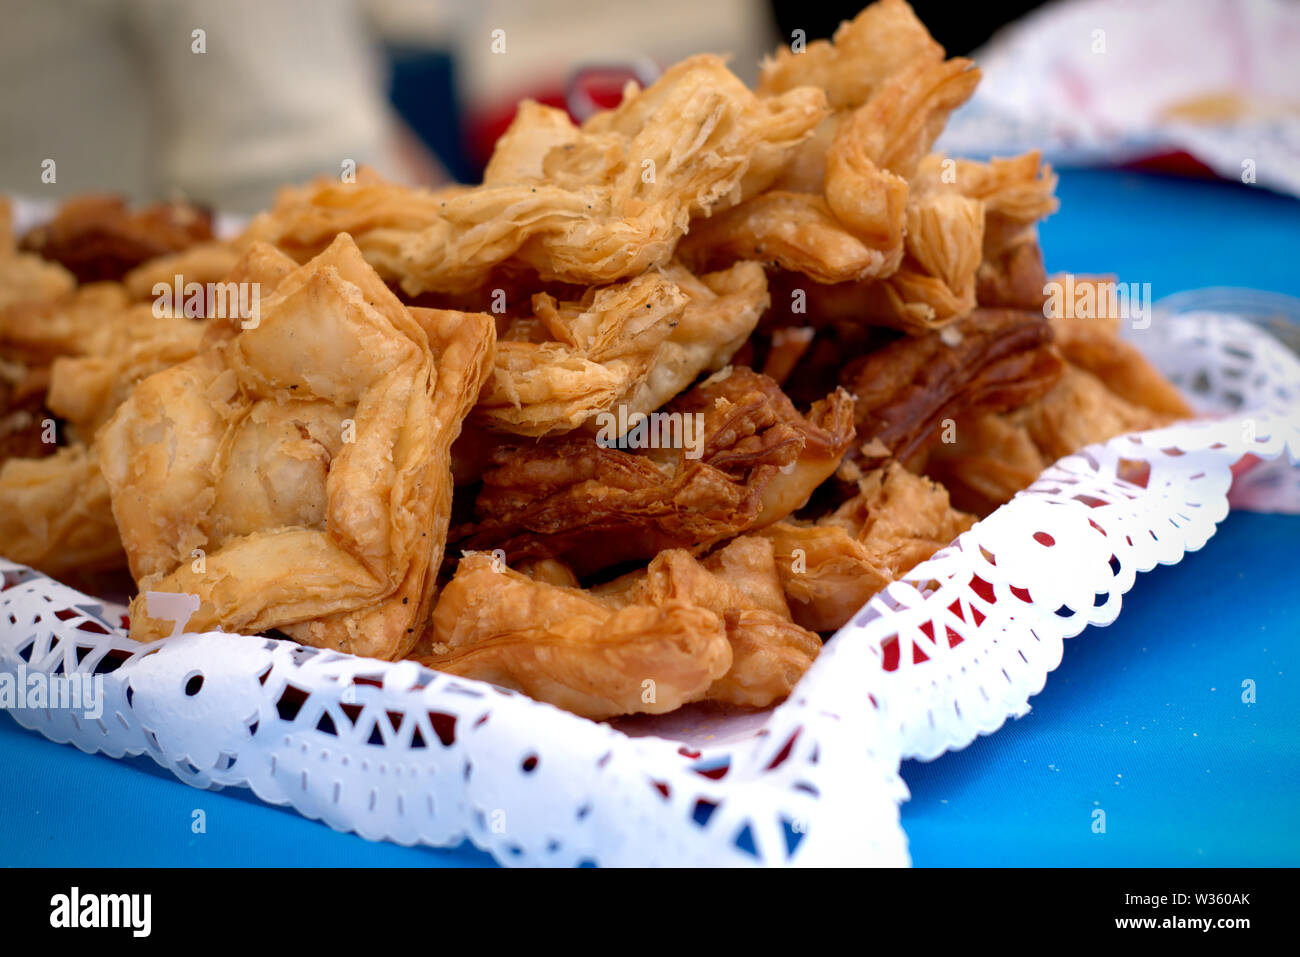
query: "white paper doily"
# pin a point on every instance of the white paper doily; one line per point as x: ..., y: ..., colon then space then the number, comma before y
x: 394, y: 751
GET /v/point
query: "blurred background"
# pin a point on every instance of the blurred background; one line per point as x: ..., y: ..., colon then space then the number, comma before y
x: 221, y: 102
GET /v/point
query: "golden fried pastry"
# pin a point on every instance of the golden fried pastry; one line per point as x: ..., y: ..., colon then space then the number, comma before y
x: 28, y: 282
x: 1016, y: 192
x: 1107, y: 388
x: 1020, y: 189
x: 990, y: 460
x: 86, y: 390
x: 1079, y: 411
x: 668, y: 153
x: 722, y: 309
x: 629, y: 347
x: 852, y: 226
x: 936, y: 282
x: 85, y: 321
x: 593, y: 506
x: 612, y: 199
x: 1094, y: 345
x: 831, y: 567
x: 675, y: 632
x: 567, y: 647
x: 741, y: 584
x: 593, y: 314
x: 970, y: 237
x: 55, y: 513
x: 598, y: 351
x: 881, y: 40
x: 377, y: 214
x: 201, y: 263
x: 296, y: 476
x: 98, y: 238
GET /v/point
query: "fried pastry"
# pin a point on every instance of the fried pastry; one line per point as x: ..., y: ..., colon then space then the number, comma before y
x: 741, y: 584
x: 882, y: 39
x: 296, y: 476
x: 1094, y: 345
x: 55, y: 513
x: 991, y: 458
x: 851, y: 226
x: 1016, y: 192
x: 596, y: 351
x: 936, y: 282
x: 85, y: 321
x: 201, y: 263
x: 631, y: 347
x: 86, y: 390
x: 612, y: 200
x: 26, y: 280
x: 97, y: 238
x: 1107, y: 388
x: 377, y: 214
x: 640, y: 520
x: 675, y: 632
x: 831, y: 567
x: 594, y: 506
x: 999, y: 359
x: 569, y: 648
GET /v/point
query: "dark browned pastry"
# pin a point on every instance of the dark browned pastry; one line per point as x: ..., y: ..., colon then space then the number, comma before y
x: 992, y: 360
x: 23, y: 416
x: 593, y: 507
x: 96, y: 237
x: 1014, y: 277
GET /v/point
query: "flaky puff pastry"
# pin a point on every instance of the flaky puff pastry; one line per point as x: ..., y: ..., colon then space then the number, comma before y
x: 591, y: 353
x: 201, y: 263
x: 588, y: 205
x: 81, y: 321
x: 1016, y: 192
x: 377, y: 214
x: 741, y: 584
x: 992, y: 360
x: 882, y: 39
x: 831, y: 567
x: 970, y: 237
x: 1094, y: 345
x: 569, y: 648
x: 86, y: 390
x: 55, y: 514
x: 630, y: 346
x: 296, y: 475
x: 994, y: 456
x: 27, y: 282
x: 753, y: 460
x: 678, y: 631
x: 839, y: 212
x: 1108, y: 388
x: 936, y: 282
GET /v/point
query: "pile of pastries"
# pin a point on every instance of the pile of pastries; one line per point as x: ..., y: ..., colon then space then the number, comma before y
x: 433, y: 436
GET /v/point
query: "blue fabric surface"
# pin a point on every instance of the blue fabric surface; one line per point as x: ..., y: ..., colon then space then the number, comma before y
x: 1143, y: 720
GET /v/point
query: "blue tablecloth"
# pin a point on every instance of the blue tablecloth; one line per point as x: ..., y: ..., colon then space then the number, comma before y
x: 1143, y: 720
